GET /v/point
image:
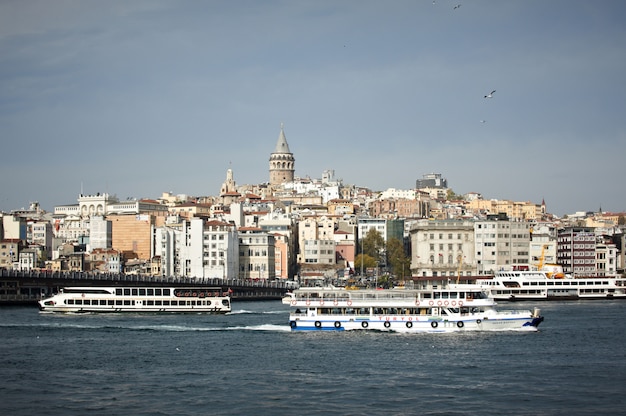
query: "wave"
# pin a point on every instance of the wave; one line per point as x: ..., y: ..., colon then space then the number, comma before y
x: 249, y: 312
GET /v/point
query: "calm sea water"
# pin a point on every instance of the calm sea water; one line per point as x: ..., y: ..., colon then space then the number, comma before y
x: 249, y: 363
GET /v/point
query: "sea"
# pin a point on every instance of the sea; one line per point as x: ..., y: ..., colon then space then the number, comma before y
x: 249, y: 363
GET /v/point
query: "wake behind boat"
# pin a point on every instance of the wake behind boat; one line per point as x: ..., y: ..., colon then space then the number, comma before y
x: 461, y: 307
x: 137, y: 299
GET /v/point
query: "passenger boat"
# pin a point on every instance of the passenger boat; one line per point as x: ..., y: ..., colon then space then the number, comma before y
x: 137, y: 299
x: 526, y: 284
x: 462, y: 307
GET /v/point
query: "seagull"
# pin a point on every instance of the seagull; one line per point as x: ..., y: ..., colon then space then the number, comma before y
x: 490, y: 95
x: 177, y: 349
x: 457, y: 6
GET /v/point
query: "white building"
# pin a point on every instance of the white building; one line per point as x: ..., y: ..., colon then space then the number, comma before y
x: 100, y: 233
x: 501, y: 244
x: 197, y: 248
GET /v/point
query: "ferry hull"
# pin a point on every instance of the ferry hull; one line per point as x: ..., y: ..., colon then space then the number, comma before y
x: 405, y: 326
x: 137, y: 300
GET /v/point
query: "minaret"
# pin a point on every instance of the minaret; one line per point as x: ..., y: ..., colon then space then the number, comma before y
x: 228, y: 191
x: 282, y: 161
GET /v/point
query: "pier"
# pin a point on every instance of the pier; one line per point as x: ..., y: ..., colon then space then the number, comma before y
x: 27, y: 287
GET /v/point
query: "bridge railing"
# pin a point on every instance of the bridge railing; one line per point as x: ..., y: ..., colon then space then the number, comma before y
x: 138, y: 278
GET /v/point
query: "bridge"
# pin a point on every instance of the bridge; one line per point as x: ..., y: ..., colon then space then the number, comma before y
x: 27, y: 287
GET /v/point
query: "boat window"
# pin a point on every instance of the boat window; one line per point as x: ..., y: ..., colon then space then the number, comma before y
x: 127, y: 302
x: 134, y: 292
x: 157, y: 292
x: 157, y: 302
x: 166, y: 303
x: 126, y: 292
x: 453, y: 295
x: 118, y: 292
x: 110, y: 302
x: 118, y: 302
x: 150, y: 302
x: 437, y: 295
x: 166, y: 292
x: 142, y: 292
x: 103, y: 302
x: 70, y: 301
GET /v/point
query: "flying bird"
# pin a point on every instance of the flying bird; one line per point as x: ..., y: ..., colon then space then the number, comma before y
x: 483, y: 121
x: 457, y: 6
x: 490, y: 95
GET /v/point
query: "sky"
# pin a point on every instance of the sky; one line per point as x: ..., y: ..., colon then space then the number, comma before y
x: 136, y: 98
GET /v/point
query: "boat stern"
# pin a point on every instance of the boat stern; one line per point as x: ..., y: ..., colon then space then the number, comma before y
x: 536, y: 318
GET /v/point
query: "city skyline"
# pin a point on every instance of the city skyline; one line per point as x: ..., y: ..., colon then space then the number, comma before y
x: 136, y: 99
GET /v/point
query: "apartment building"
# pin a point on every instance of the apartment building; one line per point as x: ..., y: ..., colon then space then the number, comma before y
x: 442, y: 248
x: 257, y: 259
x: 500, y: 244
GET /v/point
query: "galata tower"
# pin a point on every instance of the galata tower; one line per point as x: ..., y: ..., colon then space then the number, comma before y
x: 282, y: 162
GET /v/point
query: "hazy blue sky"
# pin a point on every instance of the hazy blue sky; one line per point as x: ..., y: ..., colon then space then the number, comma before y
x: 135, y: 98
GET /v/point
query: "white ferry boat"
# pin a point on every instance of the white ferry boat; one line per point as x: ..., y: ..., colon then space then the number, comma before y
x: 526, y: 284
x: 137, y: 299
x: 455, y: 308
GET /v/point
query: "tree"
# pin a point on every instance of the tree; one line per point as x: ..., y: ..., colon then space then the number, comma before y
x: 399, y: 261
x: 451, y: 196
x: 373, y: 244
x: 368, y: 262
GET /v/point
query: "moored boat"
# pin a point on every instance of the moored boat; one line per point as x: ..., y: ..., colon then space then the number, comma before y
x: 454, y: 308
x: 539, y: 284
x: 137, y: 299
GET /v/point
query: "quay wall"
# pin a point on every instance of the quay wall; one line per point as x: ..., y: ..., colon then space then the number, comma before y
x: 27, y: 287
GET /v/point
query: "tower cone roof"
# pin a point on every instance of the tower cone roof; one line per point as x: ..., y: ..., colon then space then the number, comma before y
x: 281, y: 144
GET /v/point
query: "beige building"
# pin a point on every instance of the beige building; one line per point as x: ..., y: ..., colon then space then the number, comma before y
x: 442, y: 248
x: 133, y: 234
x: 514, y: 210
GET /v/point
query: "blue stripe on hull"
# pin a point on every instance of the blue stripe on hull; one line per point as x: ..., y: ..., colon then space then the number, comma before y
x: 312, y: 328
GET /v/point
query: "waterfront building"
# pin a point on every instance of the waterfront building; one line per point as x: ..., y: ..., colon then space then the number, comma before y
x: 100, y: 234
x: 14, y: 227
x: 132, y: 234
x: 442, y: 248
x: 576, y: 251
x: 257, y: 258
x: 501, y: 243
x: 9, y: 252
x: 197, y: 248
x: 105, y: 260
x: 282, y: 226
